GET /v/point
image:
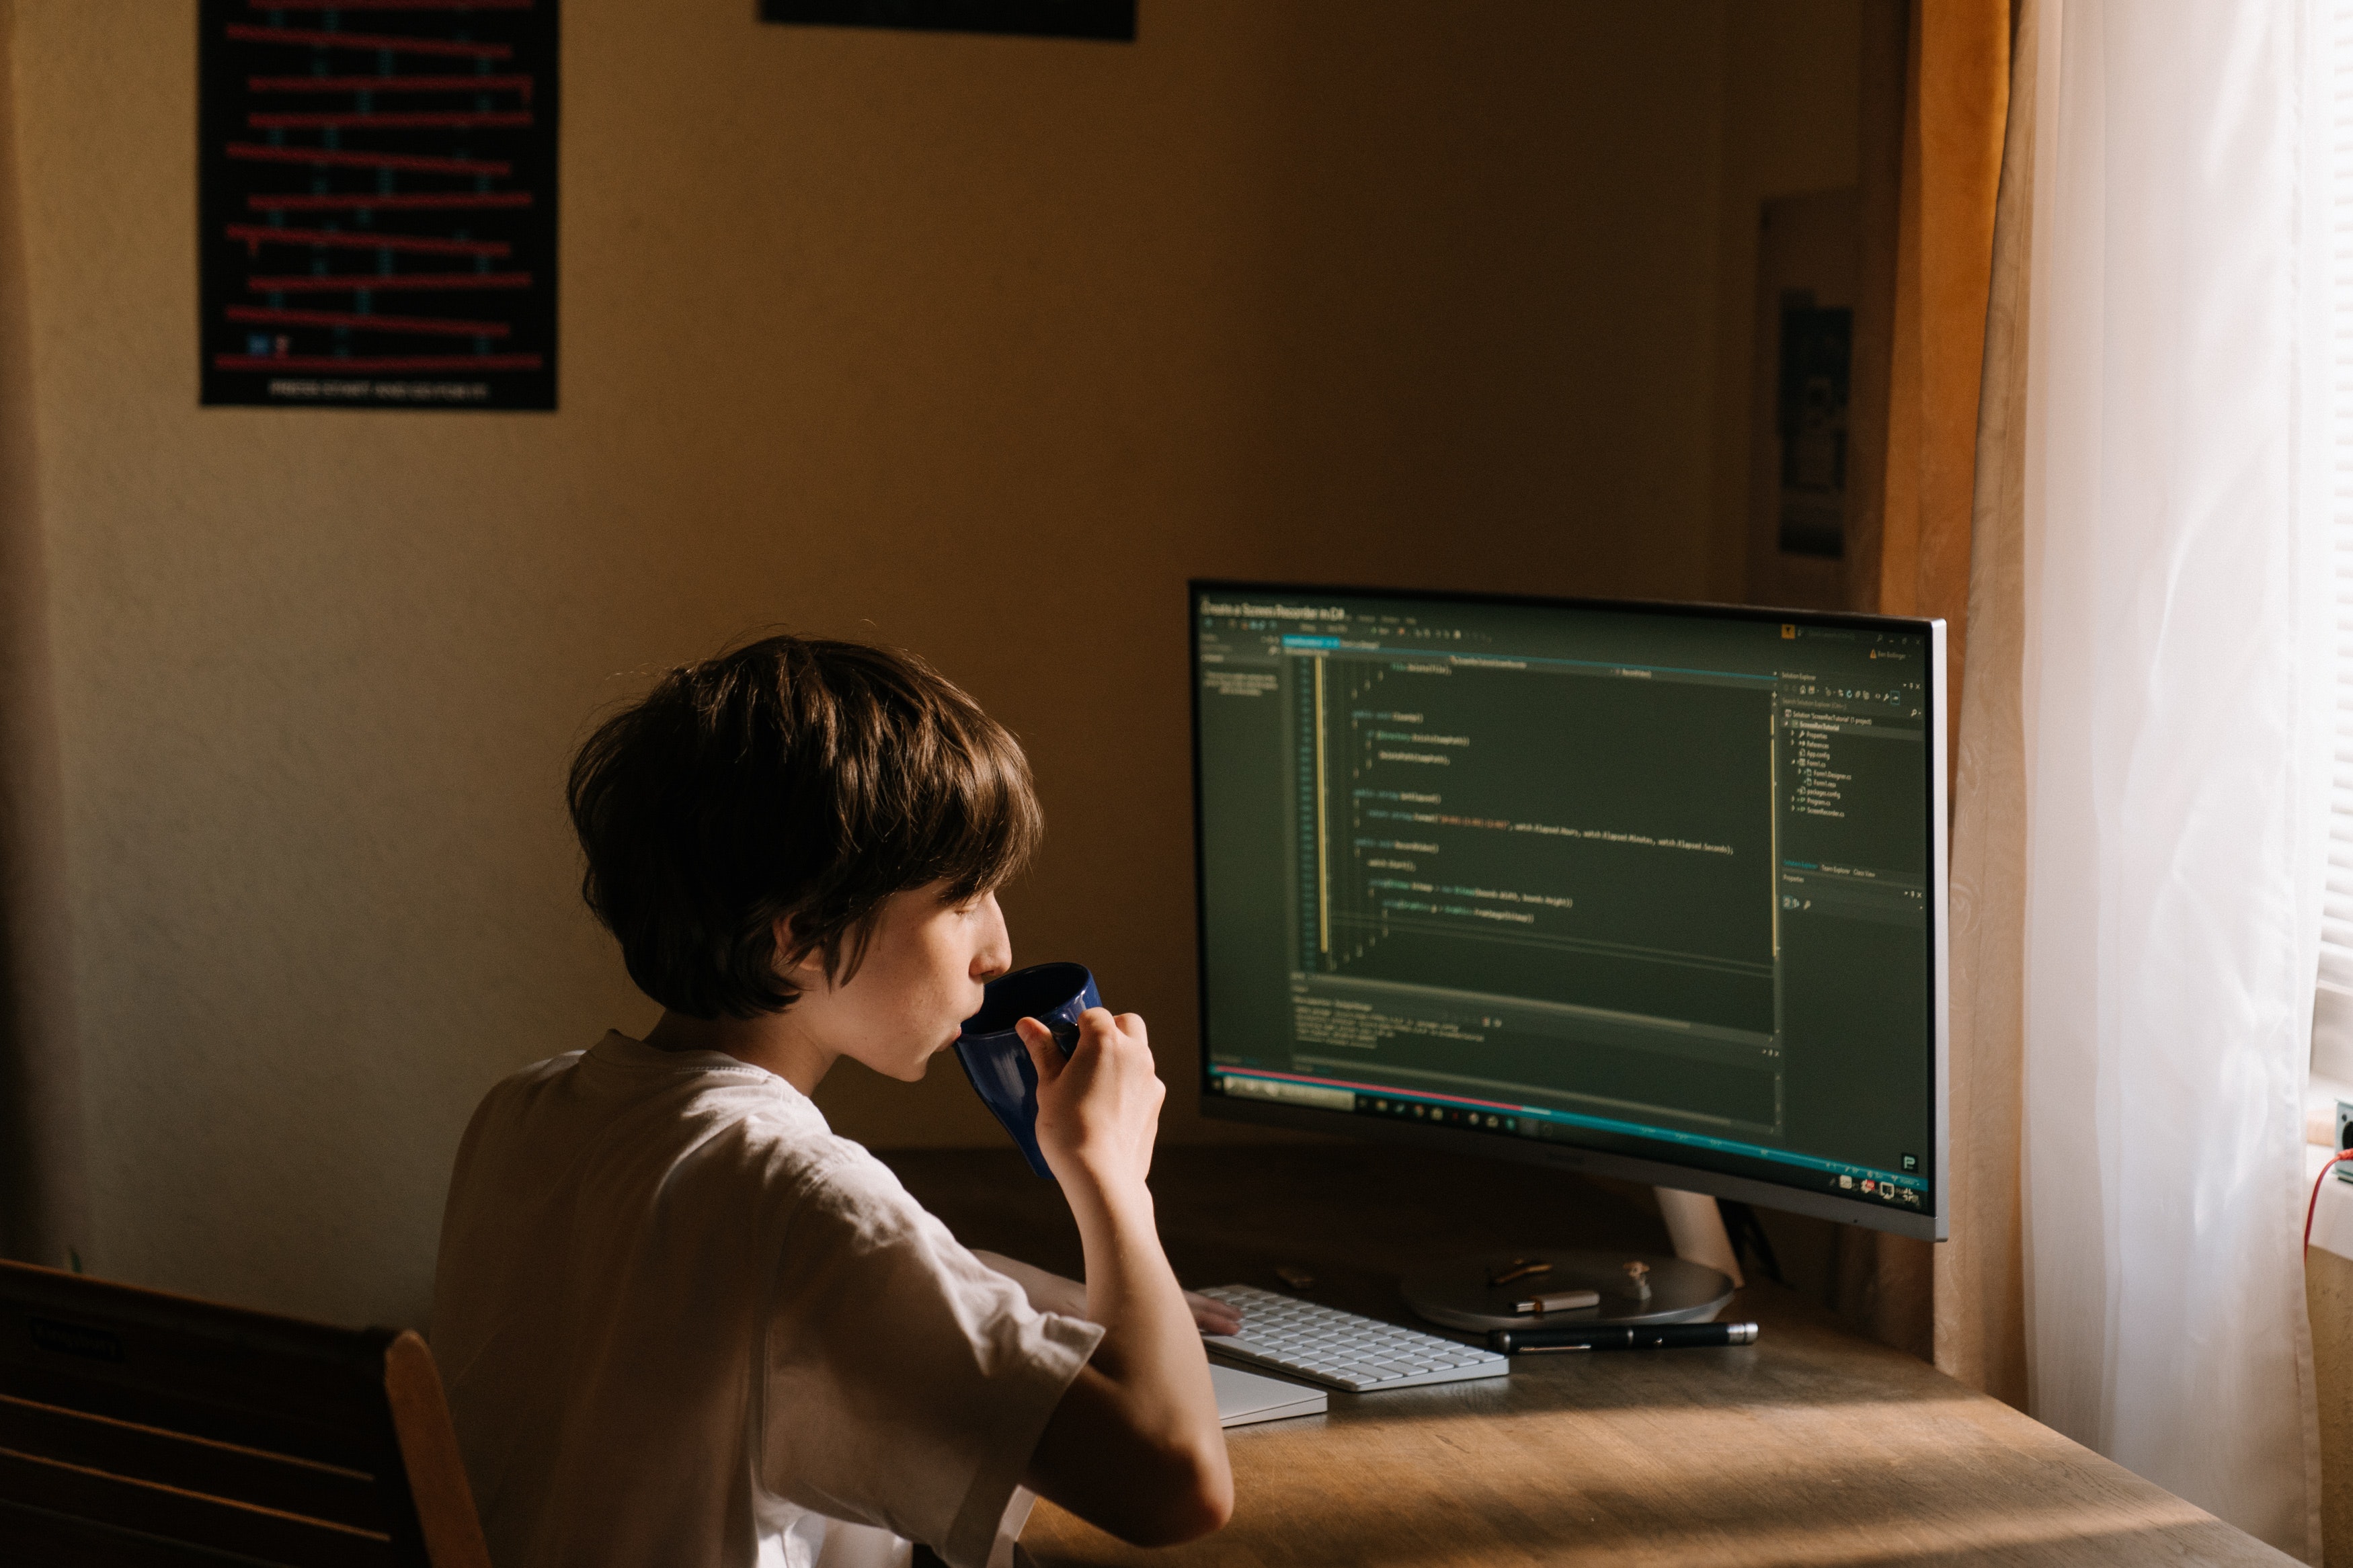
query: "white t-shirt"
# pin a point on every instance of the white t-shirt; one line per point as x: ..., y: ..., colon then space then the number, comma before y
x: 683, y: 1323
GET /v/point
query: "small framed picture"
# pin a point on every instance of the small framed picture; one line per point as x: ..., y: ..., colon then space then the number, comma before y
x: 1114, y: 20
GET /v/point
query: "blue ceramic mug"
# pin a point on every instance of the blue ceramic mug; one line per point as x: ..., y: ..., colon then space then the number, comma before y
x: 998, y: 1062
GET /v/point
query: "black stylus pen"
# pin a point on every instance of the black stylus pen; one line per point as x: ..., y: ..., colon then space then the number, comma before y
x: 1632, y: 1337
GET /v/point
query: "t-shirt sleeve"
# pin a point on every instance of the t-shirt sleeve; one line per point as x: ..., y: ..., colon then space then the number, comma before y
x: 907, y: 1383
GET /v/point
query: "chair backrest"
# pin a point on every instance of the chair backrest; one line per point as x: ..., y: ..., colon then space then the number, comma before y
x: 140, y: 1428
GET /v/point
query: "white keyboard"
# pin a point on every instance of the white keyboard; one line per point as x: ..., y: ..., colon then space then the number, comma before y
x: 1326, y: 1345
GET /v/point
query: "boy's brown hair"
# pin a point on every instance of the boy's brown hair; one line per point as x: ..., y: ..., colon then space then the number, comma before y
x: 791, y: 776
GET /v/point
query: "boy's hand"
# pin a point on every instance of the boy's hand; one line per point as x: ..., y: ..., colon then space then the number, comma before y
x: 1212, y: 1316
x: 1099, y: 1108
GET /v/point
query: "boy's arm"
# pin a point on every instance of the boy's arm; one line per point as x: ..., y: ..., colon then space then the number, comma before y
x: 1052, y: 1293
x: 1135, y: 1445
x: 1047, y: 1292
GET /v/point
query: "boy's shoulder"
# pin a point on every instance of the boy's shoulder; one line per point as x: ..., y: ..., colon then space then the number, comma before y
x: 619, y: 1076
x: 642, y: 1115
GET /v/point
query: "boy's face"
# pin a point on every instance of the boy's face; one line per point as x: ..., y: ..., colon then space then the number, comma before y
x: 920, y: 980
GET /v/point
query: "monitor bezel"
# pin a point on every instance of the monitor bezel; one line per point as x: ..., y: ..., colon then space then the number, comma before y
x: 1933, y: 1224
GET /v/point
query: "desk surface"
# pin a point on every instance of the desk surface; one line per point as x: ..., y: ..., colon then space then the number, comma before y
x: 1813, y: 1447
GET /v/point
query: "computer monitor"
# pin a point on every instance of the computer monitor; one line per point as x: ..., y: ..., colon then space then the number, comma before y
x: 1649, y: 890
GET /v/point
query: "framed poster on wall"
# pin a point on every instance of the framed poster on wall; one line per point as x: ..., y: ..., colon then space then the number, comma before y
x: 1108, y: 19
x: 376, y: 203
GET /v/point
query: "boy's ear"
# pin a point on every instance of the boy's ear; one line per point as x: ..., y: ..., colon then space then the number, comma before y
x: 807, y: 973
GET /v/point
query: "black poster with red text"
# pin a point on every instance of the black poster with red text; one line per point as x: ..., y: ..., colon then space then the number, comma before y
x: 1105, y: 20
x: 377, y: 203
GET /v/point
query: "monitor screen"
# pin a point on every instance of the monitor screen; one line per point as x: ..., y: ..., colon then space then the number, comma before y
x: 1650, y: 889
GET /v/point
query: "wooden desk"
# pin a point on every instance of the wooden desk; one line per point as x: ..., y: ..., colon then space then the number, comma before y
x: 1812, y: 1447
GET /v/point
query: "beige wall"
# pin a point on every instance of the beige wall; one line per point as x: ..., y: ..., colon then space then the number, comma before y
x: 977, y: 346
x: 1791, y: 124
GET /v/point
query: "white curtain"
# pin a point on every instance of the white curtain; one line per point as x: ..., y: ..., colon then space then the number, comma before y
x: 2176, y: 689
x: 2332, y: 1029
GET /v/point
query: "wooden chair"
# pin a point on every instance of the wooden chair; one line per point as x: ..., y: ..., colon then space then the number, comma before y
x: 143, y: 1430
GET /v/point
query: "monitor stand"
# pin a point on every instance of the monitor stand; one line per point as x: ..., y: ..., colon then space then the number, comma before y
x: 1487, y: 1292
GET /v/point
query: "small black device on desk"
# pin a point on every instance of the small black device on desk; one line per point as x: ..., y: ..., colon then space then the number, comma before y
x: 1622, y: 1337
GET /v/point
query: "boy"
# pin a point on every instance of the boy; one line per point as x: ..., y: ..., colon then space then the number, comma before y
x: 681, y: 1321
